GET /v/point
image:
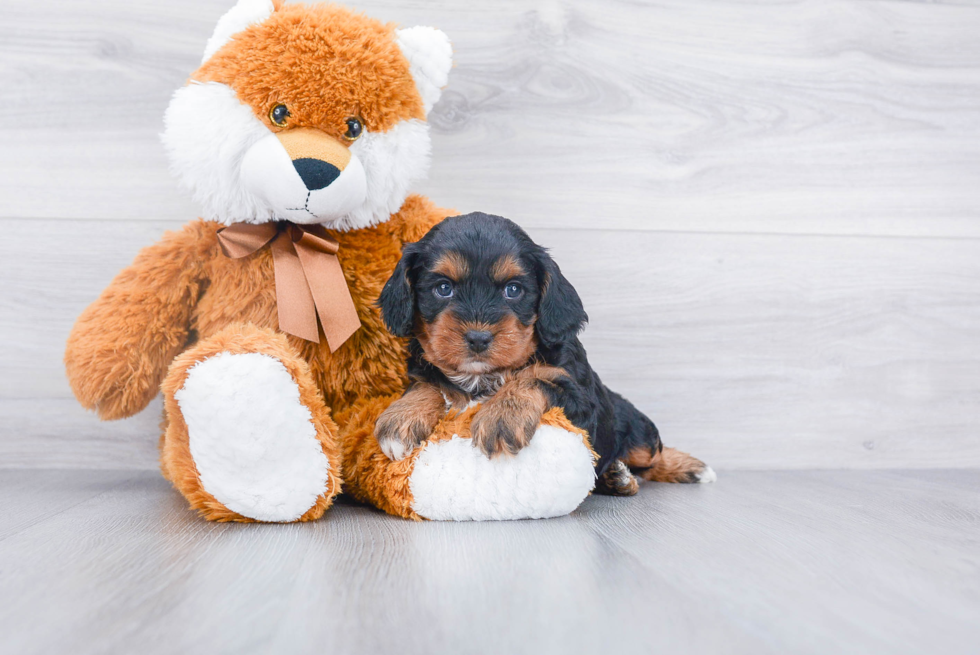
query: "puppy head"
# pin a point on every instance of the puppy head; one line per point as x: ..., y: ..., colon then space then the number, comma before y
x: 480, y: 296
x: 308, y: 113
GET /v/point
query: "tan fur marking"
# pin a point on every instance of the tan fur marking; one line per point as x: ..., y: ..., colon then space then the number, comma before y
x: 506, y: 268
x: 539, y: 371
x: 308, y: 143
x: 411, y: 419
x: 669, y: 465
x: 507, y: 421
x: 453, y: 265
x: 445, y: 347
x: 442, y: 341
x: 513, y: 343
x: 455, y: 400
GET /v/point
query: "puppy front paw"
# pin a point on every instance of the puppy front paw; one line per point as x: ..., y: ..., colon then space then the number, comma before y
x: 398, y: 434
x: 408, y: 422
x: 503, y: 426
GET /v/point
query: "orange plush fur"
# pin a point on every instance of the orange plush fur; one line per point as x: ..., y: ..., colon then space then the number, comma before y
x: 122, y: 345
x: 375, y: 479
x: 353, y: 63
x: 183, y: 301
x: 176, y: 461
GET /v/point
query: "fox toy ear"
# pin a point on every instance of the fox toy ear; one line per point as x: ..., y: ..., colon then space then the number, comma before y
x: 238, y: 18
x: 430, y: 56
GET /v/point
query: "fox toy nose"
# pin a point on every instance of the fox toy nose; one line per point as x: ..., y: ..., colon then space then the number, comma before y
x: 317, y: 157
x: 316, y: 174
x: 478, y: 340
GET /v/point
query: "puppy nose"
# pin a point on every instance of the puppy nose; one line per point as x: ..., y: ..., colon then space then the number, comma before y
x: 315, y: 173
x: 478, y: 340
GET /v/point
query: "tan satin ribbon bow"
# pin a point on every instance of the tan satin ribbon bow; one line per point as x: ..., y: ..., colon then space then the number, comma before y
x: 309, y: 280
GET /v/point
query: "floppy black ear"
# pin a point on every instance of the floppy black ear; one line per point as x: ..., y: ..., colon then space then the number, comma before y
x: 560, y: 312
x: 397, y: 300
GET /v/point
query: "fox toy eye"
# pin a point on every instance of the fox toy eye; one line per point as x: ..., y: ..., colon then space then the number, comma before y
x: 278, y: 115
x: 513, y: 291
x: 444, y: 290
x: 354, y: 129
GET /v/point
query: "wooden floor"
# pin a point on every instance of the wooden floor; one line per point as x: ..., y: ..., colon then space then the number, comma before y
x: 761, y: 562
x: 770, y: 210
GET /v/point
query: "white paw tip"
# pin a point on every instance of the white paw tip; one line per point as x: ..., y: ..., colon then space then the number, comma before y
x: 395, y: 450
x: 707, y: 475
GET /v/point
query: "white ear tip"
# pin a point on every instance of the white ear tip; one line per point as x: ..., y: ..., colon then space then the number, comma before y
x: 237, y: 19
x: 430, y: 57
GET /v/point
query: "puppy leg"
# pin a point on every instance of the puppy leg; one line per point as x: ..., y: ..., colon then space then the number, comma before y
x: 669, y: 465
x: 507, y: 421
x: 409, y: 420
x: 617, y: 481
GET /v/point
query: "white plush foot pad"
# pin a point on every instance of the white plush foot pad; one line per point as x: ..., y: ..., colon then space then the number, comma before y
x: 253, y: 441
x: 452, y: 480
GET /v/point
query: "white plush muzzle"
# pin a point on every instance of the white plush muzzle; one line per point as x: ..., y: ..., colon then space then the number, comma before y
x: 239, y: 171
x: 269, y: 175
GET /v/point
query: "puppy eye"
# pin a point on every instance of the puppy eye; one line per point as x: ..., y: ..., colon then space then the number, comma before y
x: 444, y: 290
x: 354, y: 129
x: 278, y: 115
x: 513, y: 291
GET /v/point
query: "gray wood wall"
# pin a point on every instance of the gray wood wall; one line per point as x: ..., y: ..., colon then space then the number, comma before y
x: 771, y: 208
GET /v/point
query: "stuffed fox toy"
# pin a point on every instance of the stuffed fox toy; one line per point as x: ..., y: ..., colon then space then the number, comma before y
x: 300, y: 136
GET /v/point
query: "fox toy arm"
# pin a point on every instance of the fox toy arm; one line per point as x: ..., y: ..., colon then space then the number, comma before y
x: 122, y: 344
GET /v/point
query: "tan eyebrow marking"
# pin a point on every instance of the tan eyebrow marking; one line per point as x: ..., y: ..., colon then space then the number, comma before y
x: 453, y: 265
x: 505, y: 268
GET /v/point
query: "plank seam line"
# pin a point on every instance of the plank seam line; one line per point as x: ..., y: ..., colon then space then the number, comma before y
x: 531, y: 227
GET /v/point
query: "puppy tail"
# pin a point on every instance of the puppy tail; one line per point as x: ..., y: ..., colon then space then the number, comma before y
x: 646, y: 455
x: 669, y: 465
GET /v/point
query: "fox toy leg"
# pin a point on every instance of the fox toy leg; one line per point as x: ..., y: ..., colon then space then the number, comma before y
x: 248, y: 436
x: 447, y: 478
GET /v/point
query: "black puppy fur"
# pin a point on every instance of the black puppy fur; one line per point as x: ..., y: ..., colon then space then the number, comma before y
x: 413, y: 300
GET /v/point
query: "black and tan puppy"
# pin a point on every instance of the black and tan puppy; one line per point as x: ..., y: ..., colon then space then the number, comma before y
x: 493, y: 320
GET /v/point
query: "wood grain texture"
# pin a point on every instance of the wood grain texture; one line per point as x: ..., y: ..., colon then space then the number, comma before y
x: 731, y: 185
x: 761, y: 562
x: 800, y: 116
x: 750, y: 351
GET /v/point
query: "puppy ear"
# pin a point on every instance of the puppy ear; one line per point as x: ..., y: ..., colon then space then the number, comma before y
x: 430, y: 56
x: 397, y: 300
x: 560, y: 313
x: 244, y: 14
